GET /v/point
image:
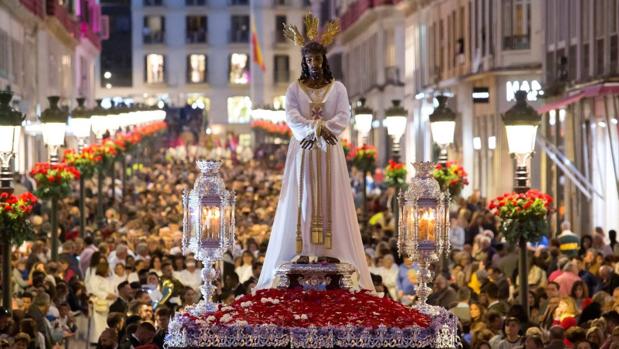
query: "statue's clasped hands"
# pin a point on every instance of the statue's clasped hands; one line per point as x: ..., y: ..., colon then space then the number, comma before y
x: 309, y: 141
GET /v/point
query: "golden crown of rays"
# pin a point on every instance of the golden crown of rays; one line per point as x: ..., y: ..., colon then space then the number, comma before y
x: 331, y: 29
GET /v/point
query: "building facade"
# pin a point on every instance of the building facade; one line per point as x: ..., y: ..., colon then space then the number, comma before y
x: 579, y: 133
x: 47, y: 48
x: 369, y: 59
x: 198, y: 53
x: 478, y: 52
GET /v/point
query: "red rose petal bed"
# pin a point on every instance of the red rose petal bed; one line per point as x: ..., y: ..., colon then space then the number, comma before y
x: 313, y: 319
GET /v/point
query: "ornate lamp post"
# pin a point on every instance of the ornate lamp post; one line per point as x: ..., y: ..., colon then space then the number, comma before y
x: 424, y: 227
x: 443, y: 127
x: 98, y: 121
x: 521, y: 122
x: 395, y: 120
x: 10, y: 130
x: 363, y: 125
x: 208, y: 226
x: 80, y: 125
x: 363, y: 120
x: 54, y: 122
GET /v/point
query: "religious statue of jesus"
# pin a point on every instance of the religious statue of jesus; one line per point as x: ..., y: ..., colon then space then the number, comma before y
x: 315, y: 214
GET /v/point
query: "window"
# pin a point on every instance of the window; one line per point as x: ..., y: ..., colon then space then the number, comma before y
x: 155, y: 68
x: 4, y: 53
x: 279, y: 25
x: 239, y: 109
x: 239, y: 29
x: 196, y: 68
x: 153, y: 31
x: 239, y: 68
x: 153, y: 2
x: 196, y: 29
x: 238, y: 2
x: 516, y: 24
x: 281, y: 73
x: 195, y: 2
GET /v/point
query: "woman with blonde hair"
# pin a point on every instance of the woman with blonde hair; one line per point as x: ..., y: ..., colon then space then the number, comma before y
x: 565, y: 314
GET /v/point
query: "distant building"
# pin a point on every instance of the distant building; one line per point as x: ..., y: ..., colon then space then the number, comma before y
x: 198, y: 53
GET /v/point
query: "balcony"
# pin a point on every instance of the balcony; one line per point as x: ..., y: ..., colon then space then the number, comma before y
x: 35, y: 6
x: 87, y: 33
x: 281, y: 77
x: 238, y: 36
x: 196, y: 2
x: 516, y: 42
x: 60, y: 13
x: 238, y: 2
x: 154, y: 37
x: 196, y: 37
x: 149, y: 3
x: 281, y: 3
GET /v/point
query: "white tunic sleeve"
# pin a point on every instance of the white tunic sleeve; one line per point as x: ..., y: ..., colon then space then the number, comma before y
x: 340, y: 120
x: 300, y: 126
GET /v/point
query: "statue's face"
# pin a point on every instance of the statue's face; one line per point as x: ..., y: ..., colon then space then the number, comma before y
x: 314, y: 62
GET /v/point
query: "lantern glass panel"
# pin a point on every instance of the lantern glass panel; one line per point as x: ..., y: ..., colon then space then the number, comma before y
x: 9, y: 138
x: 210, y: 221
x: 53, y: 133
x: 443, y: 132
x: 521, y: 138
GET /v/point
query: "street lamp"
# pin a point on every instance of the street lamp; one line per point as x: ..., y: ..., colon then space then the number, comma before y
x: 395, y: 120
x: 98, y: 120
x: 54, y: 122
x: 363, y: 125
x: 10, y: 129
x: 521, y: 122
x: 363, y: 119
x: 80, y: 125
x: 443, y: 127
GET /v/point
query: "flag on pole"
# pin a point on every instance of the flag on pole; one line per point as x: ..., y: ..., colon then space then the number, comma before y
x: 257, y: 52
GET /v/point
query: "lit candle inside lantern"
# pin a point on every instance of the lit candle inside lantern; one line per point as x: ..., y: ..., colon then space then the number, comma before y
x: 210, y: 226
x: 426, y: 226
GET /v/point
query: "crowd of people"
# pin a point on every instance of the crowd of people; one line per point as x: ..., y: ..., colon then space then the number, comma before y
x: 118, y: 285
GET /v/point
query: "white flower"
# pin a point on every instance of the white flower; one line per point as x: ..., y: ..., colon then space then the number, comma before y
x: 246, y: 304
x: 300, y: 317
x: 275, y: 301
x: 269, y: 300
x: 241, y: 322
x: 227, y: 308
x: 303, y: 317
x: 225, y: 318
x: 211, y: 319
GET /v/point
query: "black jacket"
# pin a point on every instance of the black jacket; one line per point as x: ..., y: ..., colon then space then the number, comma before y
x: 119, y: 306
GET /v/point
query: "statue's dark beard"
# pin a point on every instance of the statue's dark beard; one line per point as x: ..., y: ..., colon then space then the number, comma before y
x: 315, y: 74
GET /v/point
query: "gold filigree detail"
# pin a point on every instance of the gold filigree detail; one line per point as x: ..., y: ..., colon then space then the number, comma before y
x: 326, y: 38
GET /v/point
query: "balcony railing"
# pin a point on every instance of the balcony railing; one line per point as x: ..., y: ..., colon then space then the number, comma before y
x: 153, y: 2
x: 196, y: 2
x: 35, y: 6
x: 86, y: 32
x: 238, y: 36
x: 196, y: 37
x: 281, y: 77
x: 154, y: 37
x: 54, y: 9
x: 238, y: 2
x: 516, y: 42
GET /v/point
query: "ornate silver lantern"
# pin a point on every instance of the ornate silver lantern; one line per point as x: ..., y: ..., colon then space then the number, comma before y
x: 424, y: 226
x: 208, y: 225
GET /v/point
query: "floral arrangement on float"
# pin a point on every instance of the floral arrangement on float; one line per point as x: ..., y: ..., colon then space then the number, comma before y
x: 523, y: 214
x: 451, y: 177
x: 364, y: 157
x: 14, y: 213
x: 53, y: 180
x: 85, y: 161
x: 395, y: 174
x: 279, y: 129
x: 128, y: 141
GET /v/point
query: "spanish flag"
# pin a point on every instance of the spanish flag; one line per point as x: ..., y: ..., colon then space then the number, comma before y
x: 257, y: 52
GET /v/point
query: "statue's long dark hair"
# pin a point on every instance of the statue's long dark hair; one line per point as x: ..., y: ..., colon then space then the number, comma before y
x: 314, y: 47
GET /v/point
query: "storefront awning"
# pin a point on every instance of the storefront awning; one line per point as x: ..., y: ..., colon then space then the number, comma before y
x: 608, y: 88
